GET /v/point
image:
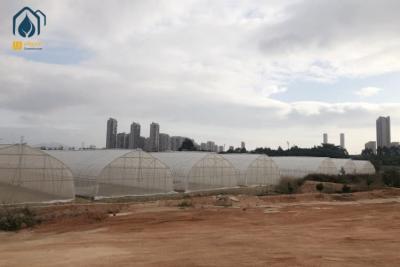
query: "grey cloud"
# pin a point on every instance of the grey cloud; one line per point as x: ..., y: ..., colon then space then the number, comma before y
x: 324, y: 23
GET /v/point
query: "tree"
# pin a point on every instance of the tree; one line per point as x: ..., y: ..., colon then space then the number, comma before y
x: 230, y: 150
x: 391, y: 178
x: 325, y: 150
x: 187, y: 145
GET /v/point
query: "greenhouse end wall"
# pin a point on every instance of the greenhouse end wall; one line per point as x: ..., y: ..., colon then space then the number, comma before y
x: 364, y: 167
x: 253, y: 169
x: 198, y: 171
x: 31, y: 175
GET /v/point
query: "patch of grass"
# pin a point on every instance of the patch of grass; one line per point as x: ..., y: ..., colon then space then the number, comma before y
x: 14, y: 219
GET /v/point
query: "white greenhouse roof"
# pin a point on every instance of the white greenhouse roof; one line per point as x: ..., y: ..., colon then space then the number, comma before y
x: 89, y: 162
x: 182, y: 161
x: 242, y: 161
x: 300, y: 163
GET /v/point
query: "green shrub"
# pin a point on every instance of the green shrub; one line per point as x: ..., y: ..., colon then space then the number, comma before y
x: 288, y: 185
x: 369, y: 180
x: 346, y: 189
x: 13, y: 219
x: 391, y: 178
x: 343, y: 179
x: 320, y: 187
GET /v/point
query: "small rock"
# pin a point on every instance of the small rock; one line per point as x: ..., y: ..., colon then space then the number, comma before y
x: 235, y: 199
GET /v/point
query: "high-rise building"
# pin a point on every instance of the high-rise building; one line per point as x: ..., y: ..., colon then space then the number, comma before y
x: 147, y: 145
x: 243, y: 145
x: 203, y: 146
x: 165, y: 143
x: 142, y: 142
x: 210, y: 146
x: 126, y: 142
x: 342, y: 144
x: 154, y: 137
x: 134, y: 135
x: 371, y: 145
x: 111, y: 138
x: 383, y: 132
x: 221, y: 149
x: 325, y: 138
x: 122, y: 140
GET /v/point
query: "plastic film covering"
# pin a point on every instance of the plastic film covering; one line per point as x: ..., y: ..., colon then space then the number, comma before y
x: 116, y: 173
x: 198, y: 171
x: 364, y: 167
x: 347, y: 165
x: 298, y: 167
x: 254, y: 169
x: 29, y: 175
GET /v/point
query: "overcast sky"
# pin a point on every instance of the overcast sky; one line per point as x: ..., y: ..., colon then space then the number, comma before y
x: 263, y: 72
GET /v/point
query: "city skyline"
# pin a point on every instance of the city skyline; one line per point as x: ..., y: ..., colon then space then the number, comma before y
x: 155, y: 142
x: 256, y: 70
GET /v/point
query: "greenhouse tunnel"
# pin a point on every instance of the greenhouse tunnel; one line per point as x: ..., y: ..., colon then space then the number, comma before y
x: 253, y: 169
x: 298, y: 167
x: 348, y: 165
x: 364, y: 167
x: 198, y: 171
x: 116, y: 173
x: 29, y: 175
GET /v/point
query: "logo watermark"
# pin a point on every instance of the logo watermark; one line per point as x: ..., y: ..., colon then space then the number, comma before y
x: 28, y: 24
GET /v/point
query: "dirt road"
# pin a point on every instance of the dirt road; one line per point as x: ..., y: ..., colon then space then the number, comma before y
x: 256, y: 231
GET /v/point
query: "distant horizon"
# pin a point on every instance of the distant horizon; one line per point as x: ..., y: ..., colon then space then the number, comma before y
x: 55, y: 144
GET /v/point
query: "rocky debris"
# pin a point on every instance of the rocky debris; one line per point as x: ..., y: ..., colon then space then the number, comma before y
x: 222, y: 200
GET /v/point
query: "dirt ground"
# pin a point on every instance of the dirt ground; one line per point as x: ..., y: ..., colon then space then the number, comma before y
x: 361, y: 229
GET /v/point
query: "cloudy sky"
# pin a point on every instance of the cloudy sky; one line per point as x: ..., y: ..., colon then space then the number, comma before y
x: 264, y: 72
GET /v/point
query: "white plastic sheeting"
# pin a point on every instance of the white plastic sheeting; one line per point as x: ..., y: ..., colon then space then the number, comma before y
x: 254, y: 169
x: 115, y: 173
x: 198, y: 171
x: 298, y: 167
x: 347, y: 164
x: 364, y: 167
x: 30, y: 175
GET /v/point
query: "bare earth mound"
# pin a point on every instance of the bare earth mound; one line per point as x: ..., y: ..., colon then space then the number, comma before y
x: 361, y: 229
